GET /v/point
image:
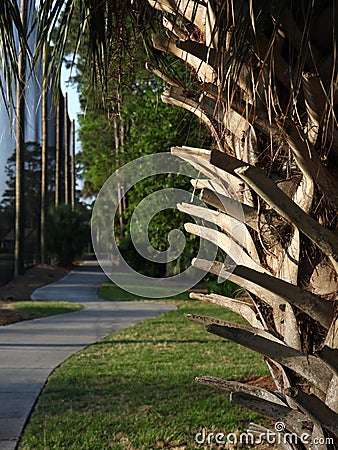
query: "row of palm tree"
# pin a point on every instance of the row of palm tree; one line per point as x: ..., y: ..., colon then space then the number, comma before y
x: 24, y: 70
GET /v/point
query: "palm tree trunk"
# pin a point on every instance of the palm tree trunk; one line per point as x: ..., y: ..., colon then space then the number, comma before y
x: 117, y: 135
x: 66, y: 150
x: 44, y: 161
x: 20, y: 154
x: 57, y: 150
x: 72, y: 172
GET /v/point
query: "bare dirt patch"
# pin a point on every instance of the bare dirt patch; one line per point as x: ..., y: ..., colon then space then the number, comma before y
x: 21, y: 287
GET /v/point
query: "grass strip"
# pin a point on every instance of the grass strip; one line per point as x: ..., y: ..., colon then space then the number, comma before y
x: 109, y: 291
x: 45, y: 308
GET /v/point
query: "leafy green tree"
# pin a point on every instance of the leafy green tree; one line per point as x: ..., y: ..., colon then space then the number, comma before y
x: 150, y: 127
x: 97, y: 156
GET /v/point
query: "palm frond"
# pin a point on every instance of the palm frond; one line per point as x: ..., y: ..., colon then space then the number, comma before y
x: 106, y: 31
x: 13, y: 35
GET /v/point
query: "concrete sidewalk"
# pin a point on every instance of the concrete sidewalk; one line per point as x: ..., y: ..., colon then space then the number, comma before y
x: 31, y: 350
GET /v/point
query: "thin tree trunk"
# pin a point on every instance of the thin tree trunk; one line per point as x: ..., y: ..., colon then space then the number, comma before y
x: 44, y: 161
x: 72, y: 172
x: 66, y: 148
x: 57, y: 151
x: 117, y: 162
x: 122, y: 142
x: 119, y: 141
x: 20, y: 154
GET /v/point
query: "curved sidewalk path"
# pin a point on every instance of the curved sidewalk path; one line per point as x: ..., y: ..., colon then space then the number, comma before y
x: 31, y: 350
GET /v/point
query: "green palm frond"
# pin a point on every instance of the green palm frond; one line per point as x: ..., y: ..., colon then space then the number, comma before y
x: 106, y: 31
x: 12, y: 32
x: 102, y: 26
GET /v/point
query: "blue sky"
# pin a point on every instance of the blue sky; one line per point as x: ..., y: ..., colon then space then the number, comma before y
x: 73, y: 96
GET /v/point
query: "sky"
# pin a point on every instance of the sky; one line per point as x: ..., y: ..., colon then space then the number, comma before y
x: 74, y: 109
x: 73, y: 97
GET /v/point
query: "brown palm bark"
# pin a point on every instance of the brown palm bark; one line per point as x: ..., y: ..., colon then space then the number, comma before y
x: 20, y: 153
x: 58, y: 178
x: 44, y: 161
x: 72, y: 171
x: 66, y: 151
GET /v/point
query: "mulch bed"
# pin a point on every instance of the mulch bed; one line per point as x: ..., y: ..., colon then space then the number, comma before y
x: 8, y: 315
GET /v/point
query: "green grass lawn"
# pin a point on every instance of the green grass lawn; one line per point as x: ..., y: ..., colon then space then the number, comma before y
x: 135, y: 389
x: 43, y: 309
x: 109, y: 291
